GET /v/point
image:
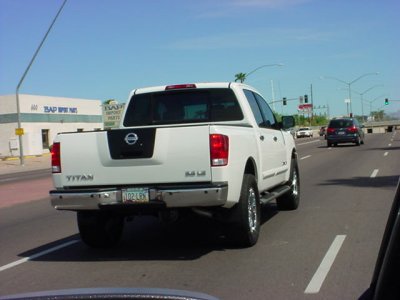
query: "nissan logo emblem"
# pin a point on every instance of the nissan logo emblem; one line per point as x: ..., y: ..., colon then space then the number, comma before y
x: 131, y: 138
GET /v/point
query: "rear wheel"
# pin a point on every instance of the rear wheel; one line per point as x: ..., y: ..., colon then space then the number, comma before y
x: 99, y: 229
x: 358, y: 141
x: 246, y: 227
x: 291, y: 199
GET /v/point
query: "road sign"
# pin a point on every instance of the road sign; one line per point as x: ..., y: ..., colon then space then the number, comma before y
x: 307, y: 106
x: 112, y: 115
x: 19, y: 131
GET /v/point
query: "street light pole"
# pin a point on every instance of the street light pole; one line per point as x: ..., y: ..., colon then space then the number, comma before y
x: 349, y: 84
x: 362, y: 100
x: 256, y: 69
x: 21, y: 147
x: 245, y: 75
x: 370, y: 103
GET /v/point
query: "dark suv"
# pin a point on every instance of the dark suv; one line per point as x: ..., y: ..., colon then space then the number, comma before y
x: 344, y: 130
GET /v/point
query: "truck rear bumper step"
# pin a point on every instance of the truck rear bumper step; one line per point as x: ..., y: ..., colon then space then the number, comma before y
x: 202, y: 196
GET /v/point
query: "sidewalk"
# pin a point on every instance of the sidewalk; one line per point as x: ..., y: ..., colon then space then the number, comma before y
x: 13, y: 165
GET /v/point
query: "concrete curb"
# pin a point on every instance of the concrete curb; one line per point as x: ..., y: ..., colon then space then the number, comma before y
x: 9, y: 158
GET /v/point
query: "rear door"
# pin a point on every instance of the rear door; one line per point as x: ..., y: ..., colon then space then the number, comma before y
x: 274, y: 164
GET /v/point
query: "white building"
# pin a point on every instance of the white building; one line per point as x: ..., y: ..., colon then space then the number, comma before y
x: 42, y: 118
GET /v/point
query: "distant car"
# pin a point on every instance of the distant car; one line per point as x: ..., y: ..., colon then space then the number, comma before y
x: 304, y: 132
x: 344, y: 130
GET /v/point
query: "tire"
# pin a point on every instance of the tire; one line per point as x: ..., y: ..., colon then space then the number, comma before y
x: 247, y: 214
x: 99, y: 229
x: 290, y: 200
x: 358, y: 141
x: 329, y: 144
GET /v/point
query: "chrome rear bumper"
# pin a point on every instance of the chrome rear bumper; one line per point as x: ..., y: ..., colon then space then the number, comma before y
x: 171, y: 196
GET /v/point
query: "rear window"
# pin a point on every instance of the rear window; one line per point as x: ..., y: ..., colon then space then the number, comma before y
x: 183, y: 106
x: 341, y: 123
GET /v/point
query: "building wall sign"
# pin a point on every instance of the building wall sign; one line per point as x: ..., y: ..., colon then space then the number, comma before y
x: 59, y: 109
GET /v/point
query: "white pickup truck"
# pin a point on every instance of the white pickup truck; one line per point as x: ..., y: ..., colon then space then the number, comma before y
x: 214, y: 149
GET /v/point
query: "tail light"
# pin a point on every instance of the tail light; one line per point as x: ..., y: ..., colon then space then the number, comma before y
x: 352, y: 129
x: 56, y: 158
x: 219, y: 150
x: 330, y: 130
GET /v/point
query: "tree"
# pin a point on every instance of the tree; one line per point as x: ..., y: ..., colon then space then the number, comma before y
x: 240, y: 77
x: 110, y: 101
x: 378, y: 115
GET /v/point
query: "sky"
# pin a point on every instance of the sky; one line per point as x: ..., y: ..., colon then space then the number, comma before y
x: 103, y: 49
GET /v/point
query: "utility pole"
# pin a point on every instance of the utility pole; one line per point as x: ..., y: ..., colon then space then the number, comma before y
x: 312, y: 102
x: 273, y: 95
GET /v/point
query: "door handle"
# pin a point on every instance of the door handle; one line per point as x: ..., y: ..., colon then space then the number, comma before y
x: 275, y: 139
x: 261, y: 137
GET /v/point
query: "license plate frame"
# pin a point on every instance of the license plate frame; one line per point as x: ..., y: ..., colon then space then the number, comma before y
x: 135, y: 195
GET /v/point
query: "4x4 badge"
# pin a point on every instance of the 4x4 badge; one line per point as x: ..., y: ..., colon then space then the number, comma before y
x: 131, y: 138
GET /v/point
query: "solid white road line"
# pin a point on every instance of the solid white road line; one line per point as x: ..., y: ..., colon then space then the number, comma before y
x: 385, y: 154
x: 318, y: 279
x: 374, y: 173
x: 307, y: 156
x: 23, y: 260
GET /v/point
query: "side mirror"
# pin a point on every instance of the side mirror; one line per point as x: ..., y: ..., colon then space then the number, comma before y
x: 288, y: 122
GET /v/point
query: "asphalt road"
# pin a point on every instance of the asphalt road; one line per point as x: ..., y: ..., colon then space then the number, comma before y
x: 324, y: 250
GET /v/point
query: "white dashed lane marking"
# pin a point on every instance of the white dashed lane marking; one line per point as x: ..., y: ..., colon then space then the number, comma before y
x: 318, y: 279
x: 24, y: 260
x: 374, y: 173
x: 305, y: 157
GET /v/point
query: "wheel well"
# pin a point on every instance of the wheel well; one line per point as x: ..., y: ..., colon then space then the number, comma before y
x: 294, y: 154
x: 251, y: 167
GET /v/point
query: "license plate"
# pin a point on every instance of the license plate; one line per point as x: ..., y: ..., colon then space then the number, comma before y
x: 135, y: 195
x: 341, y: 132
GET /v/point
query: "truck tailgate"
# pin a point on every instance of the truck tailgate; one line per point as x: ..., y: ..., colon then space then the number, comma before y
x: 135, y: 156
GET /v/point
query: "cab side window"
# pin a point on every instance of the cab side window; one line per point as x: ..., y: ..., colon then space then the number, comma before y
x: 268, y: 115
x: 262, y: 112
x: 254, y: 107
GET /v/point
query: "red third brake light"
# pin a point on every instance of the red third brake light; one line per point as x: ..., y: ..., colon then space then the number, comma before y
x: 56, y: 158
x: 219, y: 150
x: 180, y: 86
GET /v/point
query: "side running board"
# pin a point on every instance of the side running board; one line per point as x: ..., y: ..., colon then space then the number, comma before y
x: 266, y: 197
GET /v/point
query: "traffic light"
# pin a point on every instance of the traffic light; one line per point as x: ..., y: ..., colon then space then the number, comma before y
x: 386, y: 101
x: 305, y: 98
x: 284, y: 101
